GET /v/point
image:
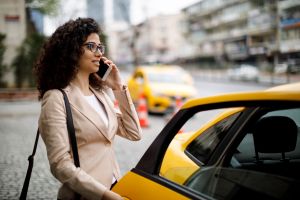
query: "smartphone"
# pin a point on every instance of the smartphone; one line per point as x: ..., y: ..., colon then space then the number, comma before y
x: 104, y: 70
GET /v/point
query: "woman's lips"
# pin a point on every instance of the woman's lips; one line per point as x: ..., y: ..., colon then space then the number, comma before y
x: 96, y: 62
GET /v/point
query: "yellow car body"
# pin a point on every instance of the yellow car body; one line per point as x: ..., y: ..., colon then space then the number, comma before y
x: 132, y: 186
x: 177, y: 166
x: 166, y: 171
x: 161, y: 85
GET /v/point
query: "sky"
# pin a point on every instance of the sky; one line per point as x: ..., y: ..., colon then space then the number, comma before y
x: 140, y: 10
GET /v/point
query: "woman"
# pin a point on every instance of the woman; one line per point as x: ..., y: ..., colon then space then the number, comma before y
x: 69, y: 60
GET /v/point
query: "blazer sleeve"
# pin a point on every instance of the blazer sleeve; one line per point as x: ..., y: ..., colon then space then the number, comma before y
x: 129, y: 125
x: 53, y: 129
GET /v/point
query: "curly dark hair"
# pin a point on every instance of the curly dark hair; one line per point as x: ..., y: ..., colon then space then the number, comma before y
x: 57, y: 63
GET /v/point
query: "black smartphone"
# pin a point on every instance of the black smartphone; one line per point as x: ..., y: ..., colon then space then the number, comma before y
x: 104, y: 70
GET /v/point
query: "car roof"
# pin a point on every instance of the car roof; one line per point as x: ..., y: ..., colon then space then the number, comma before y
x: 286, y: 92
x: 160, y: 68
x: 287, y: 87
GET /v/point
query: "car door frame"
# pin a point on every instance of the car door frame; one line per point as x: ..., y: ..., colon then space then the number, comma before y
x: 150, y: 163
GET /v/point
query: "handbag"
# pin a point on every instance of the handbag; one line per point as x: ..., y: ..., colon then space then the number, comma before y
x: 72, y: 137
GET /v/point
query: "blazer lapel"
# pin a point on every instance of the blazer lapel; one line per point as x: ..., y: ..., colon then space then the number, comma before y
x: 77, y: 100
x: 109, y: 108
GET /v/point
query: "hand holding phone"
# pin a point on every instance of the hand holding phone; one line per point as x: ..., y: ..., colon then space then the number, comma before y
x: 104, y: 70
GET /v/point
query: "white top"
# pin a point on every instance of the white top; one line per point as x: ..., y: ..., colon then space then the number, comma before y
x: 94, y: 102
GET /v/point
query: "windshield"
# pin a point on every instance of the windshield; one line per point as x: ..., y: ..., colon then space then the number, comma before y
x: 158, y: 77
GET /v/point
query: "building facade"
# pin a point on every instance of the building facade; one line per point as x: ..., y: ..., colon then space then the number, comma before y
x: 121, y: 10
x: 289, y: 11
x: 95, y: 10
x: 157, y: 39
x: 13, y: 25
x: 259, y: 32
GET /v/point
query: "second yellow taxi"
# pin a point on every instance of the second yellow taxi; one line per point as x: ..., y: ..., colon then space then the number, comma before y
x: 161, y: 85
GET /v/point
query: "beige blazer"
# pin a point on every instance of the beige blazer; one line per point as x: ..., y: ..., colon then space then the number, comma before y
x: 95, y: 141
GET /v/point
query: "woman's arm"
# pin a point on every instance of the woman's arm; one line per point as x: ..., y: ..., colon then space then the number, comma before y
x: 129, y: 125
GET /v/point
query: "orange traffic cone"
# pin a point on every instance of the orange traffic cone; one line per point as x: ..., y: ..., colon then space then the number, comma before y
x: 178, y: 104
x: 143, y: 111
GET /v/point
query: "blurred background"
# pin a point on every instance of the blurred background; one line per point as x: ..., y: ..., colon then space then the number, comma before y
x: 213, y: 36
x: 224, y: 45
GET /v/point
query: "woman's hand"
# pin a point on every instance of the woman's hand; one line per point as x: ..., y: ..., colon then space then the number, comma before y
x: 109, y: 195
x: 114, y: 79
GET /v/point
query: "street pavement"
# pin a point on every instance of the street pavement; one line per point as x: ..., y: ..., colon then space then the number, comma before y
x: 18, y: 125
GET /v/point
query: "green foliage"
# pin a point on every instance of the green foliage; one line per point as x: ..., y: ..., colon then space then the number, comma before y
x: 103, y: 39
x: 48, y: 7
x: 26, y: 57
x: 2, y: 66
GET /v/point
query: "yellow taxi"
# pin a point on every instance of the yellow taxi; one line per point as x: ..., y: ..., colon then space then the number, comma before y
x: 161, y: 86
x: 242, y: 145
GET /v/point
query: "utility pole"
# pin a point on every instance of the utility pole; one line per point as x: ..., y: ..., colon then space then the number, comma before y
x: 277, y: 36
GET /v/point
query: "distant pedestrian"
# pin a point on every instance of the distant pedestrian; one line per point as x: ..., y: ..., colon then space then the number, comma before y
x: 69, y: 60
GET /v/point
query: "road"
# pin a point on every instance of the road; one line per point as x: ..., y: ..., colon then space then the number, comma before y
x: 18, y: 126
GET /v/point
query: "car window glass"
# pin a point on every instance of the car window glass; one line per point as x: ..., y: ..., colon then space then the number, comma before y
x: 294, y: 114
x: 139, y: 78
x: 199, y: 119
x: 180, y: 164
x: 201, y: 148
x: 246, y: 150
x: 161, y: 77
x: 264, y: 166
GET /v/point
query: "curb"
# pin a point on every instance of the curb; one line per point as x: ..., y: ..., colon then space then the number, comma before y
x: 18, y: 95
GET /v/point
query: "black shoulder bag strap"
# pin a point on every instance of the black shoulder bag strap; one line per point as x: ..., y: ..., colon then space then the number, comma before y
x: 71, y: 130
x: 29, y: 169
x: 73, y: 141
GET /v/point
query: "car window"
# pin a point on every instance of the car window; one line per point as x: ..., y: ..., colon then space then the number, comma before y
x: 180, y: 163
x: 294, y: 114
x: 201, y: 148
x: 156, y: 77
x: 246, y: 153
x: 226, y: 183
x: 265, y: 164
x: 139, y: 78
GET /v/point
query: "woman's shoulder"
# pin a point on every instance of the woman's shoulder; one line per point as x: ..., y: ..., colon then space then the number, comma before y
x: 53, y: 92
x: 52, y: 95
x: 52, y: 102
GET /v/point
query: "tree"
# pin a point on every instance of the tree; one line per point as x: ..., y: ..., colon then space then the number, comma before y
x: 46, y: 7
x: 24, y: 61
x: 2, y: 66
x: 28, y: 52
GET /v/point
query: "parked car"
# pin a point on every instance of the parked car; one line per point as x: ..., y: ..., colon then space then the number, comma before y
x: 244, y: 73
x: 281, y: 68
x: 290, y: 68
x: 235, y: 146
x: 161, y: 85
x: 294, y: 66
